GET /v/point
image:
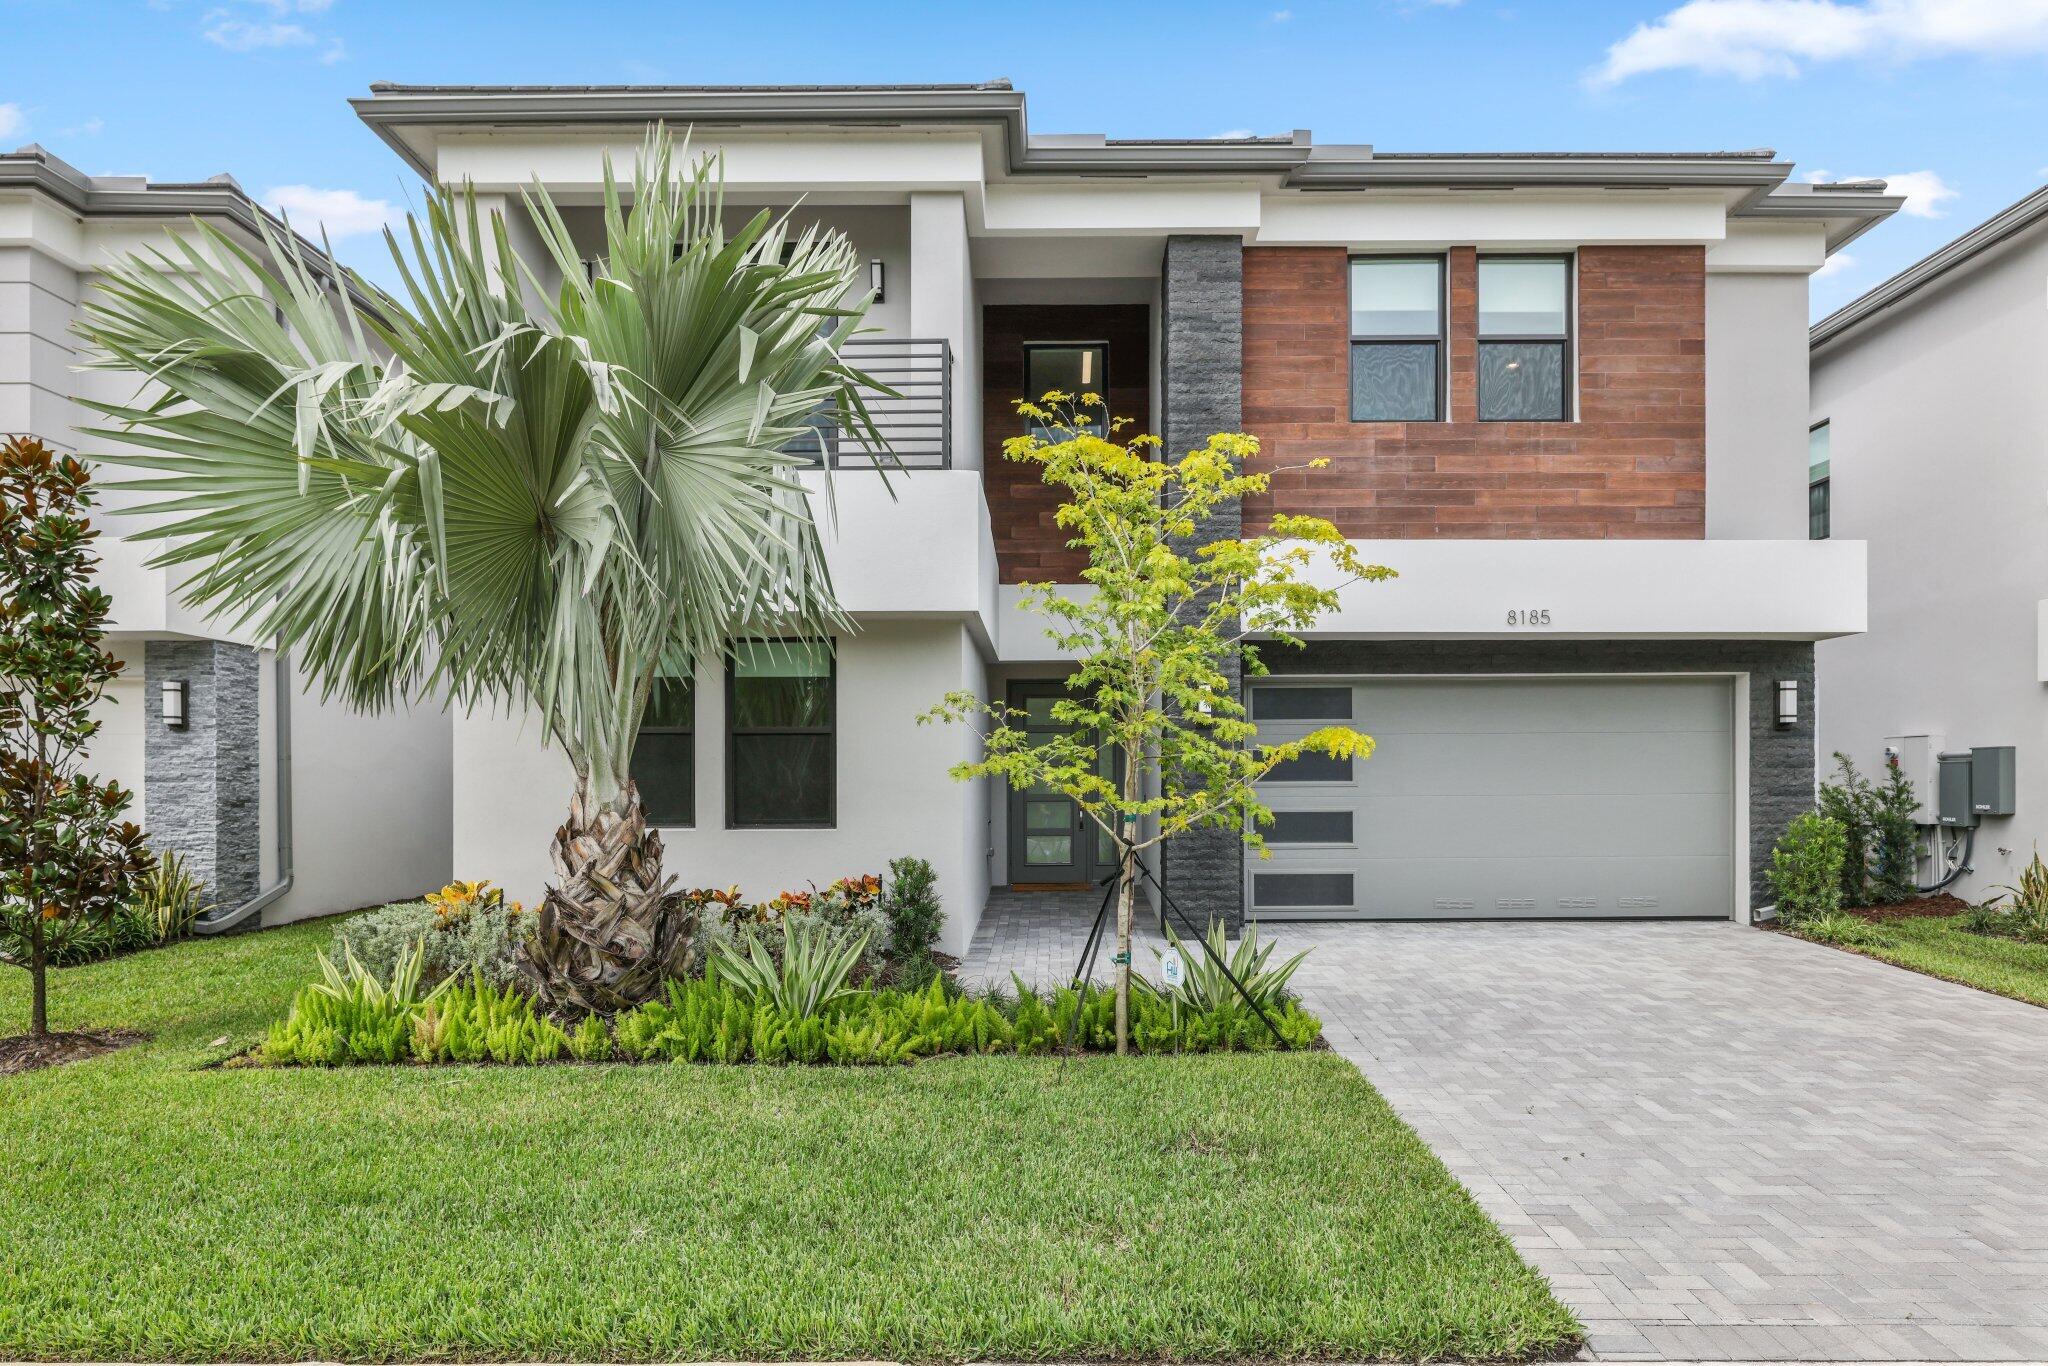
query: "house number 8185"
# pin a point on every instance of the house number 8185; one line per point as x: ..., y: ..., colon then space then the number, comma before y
x: 1528, y: 616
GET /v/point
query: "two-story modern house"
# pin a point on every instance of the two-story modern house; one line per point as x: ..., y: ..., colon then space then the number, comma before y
x: 229, y: 752
x: 1930, y: 443
x: 1564, y: 395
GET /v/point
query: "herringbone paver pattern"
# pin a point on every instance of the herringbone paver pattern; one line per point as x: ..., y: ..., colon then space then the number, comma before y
x: 1720, y: 1144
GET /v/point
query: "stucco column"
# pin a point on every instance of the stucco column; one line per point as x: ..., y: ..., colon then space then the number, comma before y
x: 203, y: 782
x: 942, y: 305
x: 1201, y: 368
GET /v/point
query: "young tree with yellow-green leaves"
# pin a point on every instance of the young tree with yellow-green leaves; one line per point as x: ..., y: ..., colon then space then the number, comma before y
x: 1169, y: 613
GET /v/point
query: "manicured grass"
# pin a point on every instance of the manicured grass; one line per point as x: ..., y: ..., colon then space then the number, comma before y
x: 1941, y: 947
x: 1206, y: 1207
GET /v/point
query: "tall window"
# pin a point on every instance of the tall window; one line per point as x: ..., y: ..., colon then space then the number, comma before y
x: 1397, y: 338
x: 1525, y: 338
x: 1075, y: 368
x: 1819, y: 495
x: 665, y: 755
x: 780, y: 708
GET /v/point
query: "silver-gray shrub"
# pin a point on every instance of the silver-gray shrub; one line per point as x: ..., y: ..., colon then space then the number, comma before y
x: 483, y: 938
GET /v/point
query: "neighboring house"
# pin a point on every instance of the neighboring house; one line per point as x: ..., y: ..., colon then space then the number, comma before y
x: 1930, y: 440
x: 1564, y: 395
x: 286, y: 805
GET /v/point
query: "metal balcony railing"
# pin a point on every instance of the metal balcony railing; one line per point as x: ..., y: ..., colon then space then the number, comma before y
x: 915, y: 422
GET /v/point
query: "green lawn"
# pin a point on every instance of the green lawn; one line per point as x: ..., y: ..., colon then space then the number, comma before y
x: 1941, y: 947
x: 1204, y: 1207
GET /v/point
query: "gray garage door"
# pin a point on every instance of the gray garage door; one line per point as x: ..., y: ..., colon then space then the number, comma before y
x: 1502, y: 798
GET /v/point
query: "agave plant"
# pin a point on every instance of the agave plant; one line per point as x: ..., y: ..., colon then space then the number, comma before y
x: 484, y: 488
x: 1206, y: 987
x: 816, y: 962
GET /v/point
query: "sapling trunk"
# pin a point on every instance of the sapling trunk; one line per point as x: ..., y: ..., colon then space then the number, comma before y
x: 39, y: 975
x: 1126, y: 880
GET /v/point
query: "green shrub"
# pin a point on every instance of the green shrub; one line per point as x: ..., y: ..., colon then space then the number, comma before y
x: 1806, y: 868
x: 70, y: 940
x: 2025, y: 914
x: 355, y: 1018
x: 170, y: 898
x: 463, y: 940
x: 351, y: 1016
x: 1895, y: 839
x: 477, y: 1020
x: 911, y: 906
x: 1851, y: 803
x: 591, y: 1041
x: 812, y: 972
x: 1207, y: 986
x: 1839, y: 927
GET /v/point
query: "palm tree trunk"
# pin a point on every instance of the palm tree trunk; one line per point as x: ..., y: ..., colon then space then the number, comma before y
x: 611, y: 932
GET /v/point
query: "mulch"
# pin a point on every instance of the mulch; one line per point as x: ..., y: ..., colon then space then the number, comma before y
x: 1940, y: 904
x: 29, y: 1052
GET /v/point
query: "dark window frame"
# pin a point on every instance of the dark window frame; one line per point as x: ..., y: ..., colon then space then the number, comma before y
x: 1825, y: 486
x: 1442, y: 340
x: 1568, y: 387
x: 1033, y: 393
x: 733, y: 733
x: 689, y: 821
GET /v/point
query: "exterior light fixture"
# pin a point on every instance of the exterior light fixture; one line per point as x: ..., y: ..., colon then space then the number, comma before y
x: 875, y: 277
x: 1788, y: 702
x: 173, y: 693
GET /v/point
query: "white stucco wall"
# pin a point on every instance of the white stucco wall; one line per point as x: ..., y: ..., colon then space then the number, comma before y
x: 1939, y: 459
x: 115, y: 754
x: 372, y: 807
x: 1756, y: 406
x: 894, y: 795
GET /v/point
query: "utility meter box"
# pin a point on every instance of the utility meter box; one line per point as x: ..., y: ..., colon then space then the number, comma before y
x: 1991, y: 780
x: 1915, y: 756
x: 1953, y: 805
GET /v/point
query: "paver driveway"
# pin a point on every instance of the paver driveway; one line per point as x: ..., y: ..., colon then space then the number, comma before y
x: 1719, y: 1143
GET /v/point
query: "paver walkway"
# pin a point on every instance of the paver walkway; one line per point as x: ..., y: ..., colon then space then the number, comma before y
x: 1720, y: 1144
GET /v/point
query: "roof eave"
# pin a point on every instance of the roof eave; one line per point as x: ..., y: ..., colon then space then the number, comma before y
x: 1987, y: 236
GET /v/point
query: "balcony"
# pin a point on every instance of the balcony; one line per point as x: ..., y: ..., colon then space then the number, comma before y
x: 915, y: 420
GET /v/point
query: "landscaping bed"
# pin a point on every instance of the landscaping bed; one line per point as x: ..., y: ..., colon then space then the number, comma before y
x: 1947, y: 947
x: 1244, y: 1205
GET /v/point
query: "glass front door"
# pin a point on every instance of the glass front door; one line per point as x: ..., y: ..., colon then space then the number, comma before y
x: 1051, y: 841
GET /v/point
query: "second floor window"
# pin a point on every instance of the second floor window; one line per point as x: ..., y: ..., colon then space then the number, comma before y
x: 1075, y: 368
x: 665, y: 755
x: 1525, y: 339
x: 1397, y: 338
x: 1819, y: 491
x: 780, y: 762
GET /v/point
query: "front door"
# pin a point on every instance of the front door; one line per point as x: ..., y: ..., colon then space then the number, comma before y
x: 1051, y: 841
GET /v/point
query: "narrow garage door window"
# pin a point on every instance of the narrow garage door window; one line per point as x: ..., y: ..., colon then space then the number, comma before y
x: 1302, y: 891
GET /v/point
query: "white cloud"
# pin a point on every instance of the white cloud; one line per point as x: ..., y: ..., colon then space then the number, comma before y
x: 1235, y: 133
x: 86, y: 129
x: 1840, y: 263
x: 12, y: 120
x: 244, y: 35
x: 1281, y: 16
x: 342, y: 213
x: 1753, y: 39
x: 1925, y: 192
x: 337, y: 51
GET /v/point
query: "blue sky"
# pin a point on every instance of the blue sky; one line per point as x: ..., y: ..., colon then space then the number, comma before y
x: 1949, y: 94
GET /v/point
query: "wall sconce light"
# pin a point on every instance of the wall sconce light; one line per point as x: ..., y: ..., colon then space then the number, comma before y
x: 1788, y: 702
x: 875, y: 277
x: 173, y: 692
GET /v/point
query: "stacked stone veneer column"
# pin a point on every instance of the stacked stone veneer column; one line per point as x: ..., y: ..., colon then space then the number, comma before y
x: 204, y: 782
x: 1201, y: 382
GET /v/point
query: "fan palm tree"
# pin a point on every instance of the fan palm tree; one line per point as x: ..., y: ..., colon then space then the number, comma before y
x: 483, y: 489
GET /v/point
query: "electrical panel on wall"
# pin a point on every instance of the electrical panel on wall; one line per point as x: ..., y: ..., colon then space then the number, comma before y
x: 1916, y: 756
